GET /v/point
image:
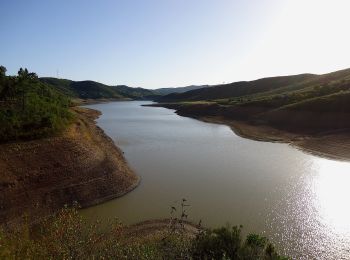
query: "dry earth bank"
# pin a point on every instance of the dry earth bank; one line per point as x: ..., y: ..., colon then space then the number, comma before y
x: 82, y: 164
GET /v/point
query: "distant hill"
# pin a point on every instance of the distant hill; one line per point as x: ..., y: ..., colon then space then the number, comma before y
x: 299, y: 103
x: 237, y: 88
x: 166, y: 91
x: 94, y: 90
x: 135, y: 93
x: 258, y: 88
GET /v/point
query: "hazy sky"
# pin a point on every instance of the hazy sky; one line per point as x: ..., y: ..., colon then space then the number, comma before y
x: 169, y: 43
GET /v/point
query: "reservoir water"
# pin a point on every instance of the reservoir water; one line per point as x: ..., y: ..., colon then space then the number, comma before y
x: 299, y: 201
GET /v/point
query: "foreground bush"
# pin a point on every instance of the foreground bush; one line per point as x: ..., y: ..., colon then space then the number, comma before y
x: 227, y: 243
x: 69, y: 236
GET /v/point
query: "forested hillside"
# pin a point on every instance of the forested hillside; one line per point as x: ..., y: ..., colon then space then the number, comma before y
x: 94, y: 90
x: 30, y: 108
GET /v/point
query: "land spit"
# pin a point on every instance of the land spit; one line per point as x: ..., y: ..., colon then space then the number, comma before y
x: 330, y: 144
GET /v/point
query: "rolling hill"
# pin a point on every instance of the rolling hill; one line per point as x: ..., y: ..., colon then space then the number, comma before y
x: 94, y: 90
x: 305, y: 103
x: 166, y: 91
x: 258, y: 88
x: 237, y: 88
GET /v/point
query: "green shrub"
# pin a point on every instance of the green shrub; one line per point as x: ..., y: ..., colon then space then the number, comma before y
x: 227, y: 243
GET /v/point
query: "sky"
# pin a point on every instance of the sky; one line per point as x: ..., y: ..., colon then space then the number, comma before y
x: 172, y: 43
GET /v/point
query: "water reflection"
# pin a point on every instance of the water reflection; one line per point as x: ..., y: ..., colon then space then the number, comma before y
x: 298, y: 200
x: 332, y: 194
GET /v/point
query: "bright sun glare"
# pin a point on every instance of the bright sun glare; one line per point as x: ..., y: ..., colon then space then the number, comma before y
x: 332, y: 193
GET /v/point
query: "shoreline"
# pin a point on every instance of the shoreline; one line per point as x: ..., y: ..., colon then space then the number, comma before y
x: 331, y: 145
x: 84, y: 102
x: 314, y: 145
x: 82, y: 164
x: 123, y: 161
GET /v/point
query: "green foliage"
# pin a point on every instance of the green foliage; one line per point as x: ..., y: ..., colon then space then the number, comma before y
x: 69, y: 236
x: 294, y: 97
x: 2, y: 71
x: 227, y: 243
x: 337, y: 103
x: 30, y: 108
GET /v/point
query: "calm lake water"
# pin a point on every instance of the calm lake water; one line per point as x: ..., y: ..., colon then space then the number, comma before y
x: 298, y: 200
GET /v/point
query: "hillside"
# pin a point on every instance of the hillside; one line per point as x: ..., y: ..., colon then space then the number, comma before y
x: 307, y: 103
x: 236, y: 89
x: 94, y: 90
x: 52, y: 154
x: 38, y: 177
x: 259, y: 88
x: 309, y: 111
x: 135, y: 93
x: 166, y: 91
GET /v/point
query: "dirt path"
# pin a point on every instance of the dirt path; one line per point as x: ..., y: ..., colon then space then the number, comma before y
x: 157, y: 229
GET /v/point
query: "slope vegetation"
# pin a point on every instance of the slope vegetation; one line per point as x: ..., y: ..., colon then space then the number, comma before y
x: 266, y: 87
x: 94, y: 90
x: 306, y: 103
x: 30, y: 108
x: 166, y: 91
x: 237, y: 89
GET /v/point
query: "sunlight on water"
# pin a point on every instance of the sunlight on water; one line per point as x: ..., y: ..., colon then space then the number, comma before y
x: 332, y: 194
x: 299, y: 201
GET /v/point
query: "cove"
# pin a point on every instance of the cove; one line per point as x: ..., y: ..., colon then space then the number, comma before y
x: 298, y: 200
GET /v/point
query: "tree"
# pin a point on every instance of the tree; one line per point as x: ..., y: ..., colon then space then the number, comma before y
x: 2, y: 71
x: 3, y: 82
x: 25, y: 80
x: 30, y: 108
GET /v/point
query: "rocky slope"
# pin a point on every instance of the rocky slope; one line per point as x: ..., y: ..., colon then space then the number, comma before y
x: 41, y: 176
